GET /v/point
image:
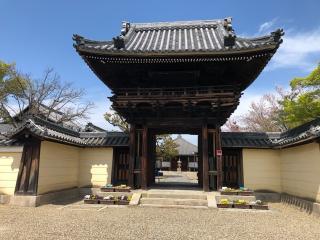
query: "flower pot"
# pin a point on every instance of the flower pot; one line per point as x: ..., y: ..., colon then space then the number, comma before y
x: 260, y: 207
x: 220, y: 205
x: 122, y: 189
x: 241, y: 206
x: 106, y: 201
x: 91, y: 201
x: 106, y: 189
x: 122, y: 202
x: 228, y: 193
x: 245, y: 193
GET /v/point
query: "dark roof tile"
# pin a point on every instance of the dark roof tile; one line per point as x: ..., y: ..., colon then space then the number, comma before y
x: 181, y: 36
x: 51, y: 131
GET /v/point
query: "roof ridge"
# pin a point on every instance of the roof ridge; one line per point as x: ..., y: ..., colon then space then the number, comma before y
x: 179, y: 22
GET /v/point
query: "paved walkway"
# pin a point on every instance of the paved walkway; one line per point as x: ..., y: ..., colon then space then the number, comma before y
x: 175, y: 177
x: 96, y: 222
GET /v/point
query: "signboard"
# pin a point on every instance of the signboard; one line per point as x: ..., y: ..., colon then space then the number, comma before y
x: 219, y: 152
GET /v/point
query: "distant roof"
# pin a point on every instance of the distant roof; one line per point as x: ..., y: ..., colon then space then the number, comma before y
x: 185, y: 147
x: 51, y: 115
x: 187, y: 37
x: 90, y: 127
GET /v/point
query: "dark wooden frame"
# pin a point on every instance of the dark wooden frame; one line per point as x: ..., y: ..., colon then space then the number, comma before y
x: 238, y: 153
x: 31, y: 146
x: 115, y: 165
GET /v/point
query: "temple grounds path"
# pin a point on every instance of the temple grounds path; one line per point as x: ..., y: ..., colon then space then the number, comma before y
x: 78, y: 221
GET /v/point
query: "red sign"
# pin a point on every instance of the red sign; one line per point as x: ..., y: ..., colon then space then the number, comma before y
x: 219, y: 152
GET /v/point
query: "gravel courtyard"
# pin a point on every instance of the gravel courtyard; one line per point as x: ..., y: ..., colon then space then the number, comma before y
x: 95, y: 222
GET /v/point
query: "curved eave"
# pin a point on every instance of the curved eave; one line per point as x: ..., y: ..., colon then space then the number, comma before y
x: 83, y: 51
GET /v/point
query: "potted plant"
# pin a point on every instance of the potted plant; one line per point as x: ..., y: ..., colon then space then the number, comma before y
x: 123, y: 200
x: 245, y: 192
x: 240, y: 203
x: 92, y: 199
x: 122, y: 188
x: 228, y: 191
x: 259, y: 205
x: 107, y: 188
x: 224, y: 203
x: 110, y: 200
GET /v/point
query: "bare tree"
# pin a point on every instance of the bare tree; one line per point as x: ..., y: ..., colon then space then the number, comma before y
x: 47, y: 97
x: 232, y: 125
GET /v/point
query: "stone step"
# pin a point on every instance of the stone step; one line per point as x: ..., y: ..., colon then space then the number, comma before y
x: 172, y: 206
x: 174, y: 201
x: 174, y: 195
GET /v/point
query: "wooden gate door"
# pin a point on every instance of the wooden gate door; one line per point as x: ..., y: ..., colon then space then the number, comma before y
x: 27, y: 180
x: 232, y: 168
x: 121, y: 166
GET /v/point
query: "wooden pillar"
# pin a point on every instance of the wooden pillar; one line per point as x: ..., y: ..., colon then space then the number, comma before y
x: 151, y: 162
x: 219, y: 160
x: 154, y: 155
x: 205, y: 162
x: 144, y: 158
x: 200, y: 175
x: 132, y: 154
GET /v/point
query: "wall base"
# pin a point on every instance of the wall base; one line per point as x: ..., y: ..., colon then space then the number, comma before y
x: 35, y: 201
x: 268, y: 197
x: 4, y: 199
x: 304, y: 205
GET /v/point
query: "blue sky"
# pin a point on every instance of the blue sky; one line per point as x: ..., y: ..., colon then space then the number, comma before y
x: 38, y: 34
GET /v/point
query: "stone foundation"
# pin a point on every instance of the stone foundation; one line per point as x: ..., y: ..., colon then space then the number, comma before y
x: 303, y: 204
x: 35, y: 201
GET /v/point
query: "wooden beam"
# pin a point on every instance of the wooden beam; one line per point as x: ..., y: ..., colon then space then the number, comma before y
x: 205, y: 162
x: 200, y: 174
x: 132, y: 154
x: 144, y: 158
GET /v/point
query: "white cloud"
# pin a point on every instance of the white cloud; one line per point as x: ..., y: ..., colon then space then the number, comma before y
x: 96, y: 116
x: 267, y: 26
x: 298, y: 50
x: 245, y: 101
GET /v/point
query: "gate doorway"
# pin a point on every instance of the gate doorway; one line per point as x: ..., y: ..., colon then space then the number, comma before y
x: 176, y: 161
x: 232, y: 168
x: 120, y: 165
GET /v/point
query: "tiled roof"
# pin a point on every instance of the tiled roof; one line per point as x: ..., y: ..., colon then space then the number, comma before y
x: 206, y: 36
x: 305, y: 132
x: 105, y: 139
x: 51, y: 131
x: 185, y: 147
x: 248, y: 139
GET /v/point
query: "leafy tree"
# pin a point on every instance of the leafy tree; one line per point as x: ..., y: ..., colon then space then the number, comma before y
x: 166, y: 147
x: 303, y: 103
x: 11, y: 84
x: 47, y: 97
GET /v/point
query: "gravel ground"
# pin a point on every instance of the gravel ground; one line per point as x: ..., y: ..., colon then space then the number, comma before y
x: 86, y: 222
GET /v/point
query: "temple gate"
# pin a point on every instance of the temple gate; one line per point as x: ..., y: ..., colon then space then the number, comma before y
x: 177, y: 77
